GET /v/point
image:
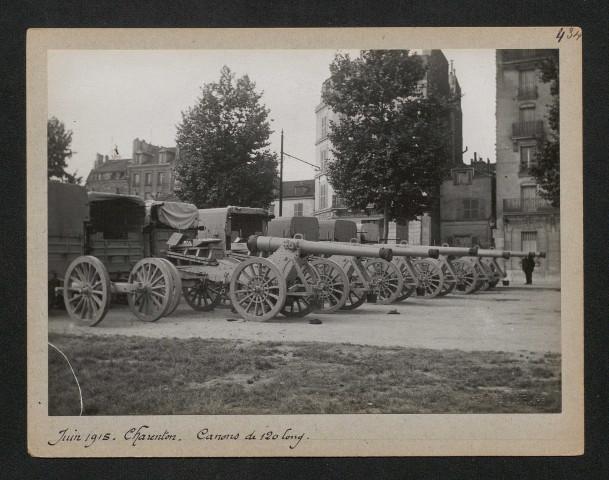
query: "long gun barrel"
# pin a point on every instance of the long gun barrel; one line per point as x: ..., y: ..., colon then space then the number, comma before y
x: 528, y: 254
x: 485, y: 252
x: 411, y: 250
x: 270, y: 244
x: 434, y: 252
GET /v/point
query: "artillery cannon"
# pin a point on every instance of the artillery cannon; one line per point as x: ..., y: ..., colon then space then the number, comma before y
x: 357, y: 286
x: 290, y: 255
x: 370, y: 282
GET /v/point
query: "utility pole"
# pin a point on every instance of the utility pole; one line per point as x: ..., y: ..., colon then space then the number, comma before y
x: 281, y: 177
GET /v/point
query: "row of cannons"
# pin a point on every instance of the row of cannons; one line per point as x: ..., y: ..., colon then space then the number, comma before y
x: 290, y: 266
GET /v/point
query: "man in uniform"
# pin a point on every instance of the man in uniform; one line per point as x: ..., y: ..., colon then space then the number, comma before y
x: 528, y: 265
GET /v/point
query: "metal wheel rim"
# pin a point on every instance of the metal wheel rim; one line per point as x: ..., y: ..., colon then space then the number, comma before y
x: 177, y: 287
x: 204, y: 296
x: 354, y: 299
x: 389, y: 280
x: 467, y: 278
x: 336, y: 282
x: 155, y: 289
x: 409, y: 284
x: 430, y: 277
x: 242, y: 289
x: 87, y: 290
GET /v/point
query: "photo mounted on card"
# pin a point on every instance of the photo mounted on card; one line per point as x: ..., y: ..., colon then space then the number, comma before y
x: 348, y: 245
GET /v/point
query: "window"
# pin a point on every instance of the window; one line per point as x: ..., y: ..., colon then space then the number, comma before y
x: 324, y: 127
x: 462, y: 178
x: 527, y: 155
x: 323, y: 195
x: 323, y: 160
x: 136, y: 179
x: 529, y: 241
x: 298, y: 209
x: 160, y: 178
x: 148, y: 178
x: 527, y: 114
x: 471, y: 209
x: 118, y: 190
x: 528, y: 197
x: 526, y: 79
x: 272, y: 209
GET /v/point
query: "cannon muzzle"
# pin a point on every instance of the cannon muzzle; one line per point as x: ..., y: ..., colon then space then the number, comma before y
x: 528, y: 254
x: 257, y: 243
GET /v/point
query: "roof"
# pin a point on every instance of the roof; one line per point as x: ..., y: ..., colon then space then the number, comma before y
x: 290, y: 188
x: 105, y: 197
x: 113, y: 166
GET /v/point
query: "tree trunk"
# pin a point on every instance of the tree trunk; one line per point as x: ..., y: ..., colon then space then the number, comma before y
x: 386, y: 223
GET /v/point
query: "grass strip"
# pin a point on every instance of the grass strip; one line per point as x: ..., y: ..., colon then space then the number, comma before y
x: 122, y: 375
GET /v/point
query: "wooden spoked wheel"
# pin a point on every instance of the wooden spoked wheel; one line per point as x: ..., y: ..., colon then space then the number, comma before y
x: 449, y: 282
x: 257, y: 289
x: 388, y: 280
x: 153, y: 291
x: 333, y: 285
x: 87, y: 290
x: 297, y: 303
x: 430, y: 277
x: 409, y: 284
x: 204, y: 295
x: 358, y: 289
x: 496, y: 276
x: 467, y: 278
x: 483, y: 273
x: 177, y: 287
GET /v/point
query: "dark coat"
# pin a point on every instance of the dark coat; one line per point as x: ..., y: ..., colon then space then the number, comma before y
x: 528, y: 264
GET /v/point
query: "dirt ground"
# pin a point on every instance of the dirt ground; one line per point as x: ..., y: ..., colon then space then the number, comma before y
x: 512, y: 318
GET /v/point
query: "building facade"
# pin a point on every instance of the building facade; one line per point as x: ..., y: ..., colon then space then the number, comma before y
x: 147, y: 174
x: 467, y: 205
x: 525, y: 221
x: 298, y: 199
x: 440, y: 77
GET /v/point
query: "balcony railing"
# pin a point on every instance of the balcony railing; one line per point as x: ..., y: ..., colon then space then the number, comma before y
x: 527, y: 92
x: 527, y: 205
x: 527, y: 129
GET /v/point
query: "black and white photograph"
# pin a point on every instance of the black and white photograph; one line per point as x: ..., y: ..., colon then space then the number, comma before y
x: 255, y: 250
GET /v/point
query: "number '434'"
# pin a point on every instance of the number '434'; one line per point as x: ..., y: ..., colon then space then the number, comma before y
x: 571, y: 33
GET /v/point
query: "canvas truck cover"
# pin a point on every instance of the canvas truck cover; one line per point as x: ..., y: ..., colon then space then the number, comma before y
x: 287, y: 227
x: 368, y: 232
x: 177, y: 215
x: 337, y: 230
x: 215, y: 219
x: 68, y: 209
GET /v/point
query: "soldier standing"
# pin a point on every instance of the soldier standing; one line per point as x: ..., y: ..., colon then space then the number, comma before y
x: 528, y: 265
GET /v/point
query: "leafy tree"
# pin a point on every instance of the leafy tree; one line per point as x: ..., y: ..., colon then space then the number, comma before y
x: 58, y: 151
x: 391, y: 143
x: 222, y: 143
x: 546, y: 168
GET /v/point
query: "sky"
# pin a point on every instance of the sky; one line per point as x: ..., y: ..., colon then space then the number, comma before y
x: 111, y: 97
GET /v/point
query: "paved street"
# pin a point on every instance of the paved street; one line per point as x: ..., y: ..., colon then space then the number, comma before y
x: 510, y: 318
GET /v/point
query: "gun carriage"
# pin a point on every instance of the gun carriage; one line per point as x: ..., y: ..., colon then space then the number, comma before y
x: 343, y: 281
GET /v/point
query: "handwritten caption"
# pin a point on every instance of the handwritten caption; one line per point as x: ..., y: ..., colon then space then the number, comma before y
x: 143, y: 434
x: 572, y: 32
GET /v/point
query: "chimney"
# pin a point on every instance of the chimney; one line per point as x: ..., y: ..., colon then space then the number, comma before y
x: 99, y: 160
x: 475, y: 157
